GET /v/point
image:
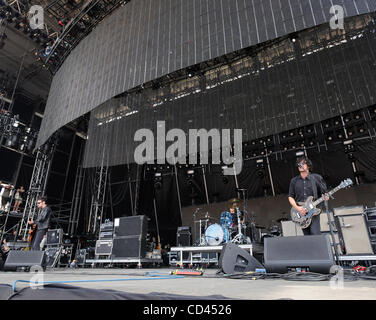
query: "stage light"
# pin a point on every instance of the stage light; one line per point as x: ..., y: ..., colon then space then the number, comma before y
x: 190, y: 172
x: 347, y: 142
x: 158, y: 180
x: 299, y: 153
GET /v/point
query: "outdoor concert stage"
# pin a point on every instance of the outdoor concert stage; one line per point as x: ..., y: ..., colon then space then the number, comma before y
x: 157, y: 283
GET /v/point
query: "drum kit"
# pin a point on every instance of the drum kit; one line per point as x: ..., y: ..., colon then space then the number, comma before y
x: 231, y: 227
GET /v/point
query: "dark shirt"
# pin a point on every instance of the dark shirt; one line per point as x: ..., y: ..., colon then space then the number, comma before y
x: 43, y: 219
x: 300, y: 189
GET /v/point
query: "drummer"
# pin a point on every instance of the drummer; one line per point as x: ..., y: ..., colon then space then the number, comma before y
x: 233, y: 204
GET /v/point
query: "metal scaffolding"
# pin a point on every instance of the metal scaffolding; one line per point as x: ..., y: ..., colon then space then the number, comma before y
x: 38, y: 182
x: 98, y: 200
x: 76, y: 201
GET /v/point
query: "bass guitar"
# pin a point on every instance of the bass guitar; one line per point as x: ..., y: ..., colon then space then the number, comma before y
x: 305, y: 220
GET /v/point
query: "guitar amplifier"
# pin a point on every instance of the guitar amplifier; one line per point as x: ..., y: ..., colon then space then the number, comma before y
x: 349, y: 210
x: 290, y: 229
x: 183, y: 237
x: 355, y: 234
x: 103, y: 247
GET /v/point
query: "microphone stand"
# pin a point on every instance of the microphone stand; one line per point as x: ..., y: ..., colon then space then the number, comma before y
x: 322, y: 187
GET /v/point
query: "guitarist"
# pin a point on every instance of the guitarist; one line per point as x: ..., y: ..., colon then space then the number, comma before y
x: 42, y: 223
x: 304, y: 185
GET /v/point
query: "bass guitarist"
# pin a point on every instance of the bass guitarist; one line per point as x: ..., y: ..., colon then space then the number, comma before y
x: 304, y: 185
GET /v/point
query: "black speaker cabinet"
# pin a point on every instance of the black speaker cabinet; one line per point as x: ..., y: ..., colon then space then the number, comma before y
x: 129, y: 247
x: 130, y: 226
x: 54, y: 237
x: 183, y: 237
x: 312, y: 253
x: 235, y: 259
x: 24, y: 259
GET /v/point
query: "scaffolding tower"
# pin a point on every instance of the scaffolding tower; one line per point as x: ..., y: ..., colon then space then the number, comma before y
x: 38, y: 182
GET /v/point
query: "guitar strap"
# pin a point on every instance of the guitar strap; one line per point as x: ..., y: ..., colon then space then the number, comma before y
x: 314, y: 185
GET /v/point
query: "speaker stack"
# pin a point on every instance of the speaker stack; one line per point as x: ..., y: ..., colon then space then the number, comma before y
x: 130, y: 237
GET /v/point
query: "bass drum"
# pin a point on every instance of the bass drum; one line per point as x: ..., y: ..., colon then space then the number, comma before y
x: 214, y: 235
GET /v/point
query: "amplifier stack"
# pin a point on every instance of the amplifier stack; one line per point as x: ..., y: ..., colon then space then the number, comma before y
x: 130, y: 237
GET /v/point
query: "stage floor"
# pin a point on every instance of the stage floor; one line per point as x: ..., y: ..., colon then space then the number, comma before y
x: 209, y: 284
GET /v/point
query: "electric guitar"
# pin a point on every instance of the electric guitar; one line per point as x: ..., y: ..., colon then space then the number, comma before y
x: 310, y: 206
x: 32, y: 232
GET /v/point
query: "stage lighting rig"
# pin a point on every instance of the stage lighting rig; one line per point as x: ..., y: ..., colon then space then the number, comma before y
x: 260, y: 168
x: 77, y: 28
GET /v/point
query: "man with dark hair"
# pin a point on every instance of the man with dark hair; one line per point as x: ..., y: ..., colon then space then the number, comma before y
x: 42, y: 223
x: 304, y: 185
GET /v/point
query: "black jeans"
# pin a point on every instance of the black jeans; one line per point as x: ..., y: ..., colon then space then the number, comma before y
x: 314, y: 228
x: 38, y: 239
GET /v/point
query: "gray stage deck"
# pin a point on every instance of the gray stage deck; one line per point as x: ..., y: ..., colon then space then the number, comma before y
x: 206, y: 285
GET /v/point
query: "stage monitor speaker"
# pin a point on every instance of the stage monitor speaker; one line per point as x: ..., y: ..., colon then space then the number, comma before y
x: 235, y: 259
x: 130, y: 226
x: 24, y: 259
x: 311, y: 253
x: 129, y: 247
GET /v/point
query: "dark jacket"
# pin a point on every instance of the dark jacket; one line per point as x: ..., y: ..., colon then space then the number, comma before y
x: 43, y: 220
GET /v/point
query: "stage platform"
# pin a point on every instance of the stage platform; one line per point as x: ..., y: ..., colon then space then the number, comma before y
x: 156, y: 280
x: 200, y: 254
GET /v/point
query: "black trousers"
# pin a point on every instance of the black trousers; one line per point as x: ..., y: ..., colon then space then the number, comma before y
x: 314, y: 228
x: 38, y: 239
